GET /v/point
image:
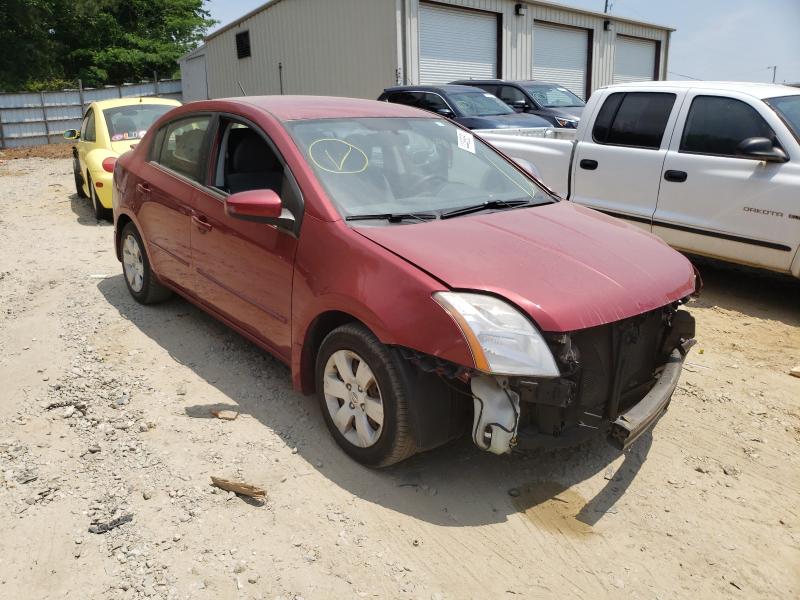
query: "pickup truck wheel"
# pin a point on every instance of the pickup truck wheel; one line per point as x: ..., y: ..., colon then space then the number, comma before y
x: 76, y: 172
x: 101, y: 213
x: 139, y: 277
x: 364, y: 397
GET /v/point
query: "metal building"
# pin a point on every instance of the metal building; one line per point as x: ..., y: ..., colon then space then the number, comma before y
x: 359, y: 47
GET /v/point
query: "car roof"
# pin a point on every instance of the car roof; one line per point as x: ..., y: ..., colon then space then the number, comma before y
x: 294, y: 108
x: 759, y: 90
x: 131, y: 100
x: 502, y: 81
x: 441, y: 89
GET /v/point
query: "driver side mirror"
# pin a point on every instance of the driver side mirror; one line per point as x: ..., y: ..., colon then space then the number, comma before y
x: 72, y: 134
x: 445, y: 112
x: 520, y: 105
x: 260, y: 206
x: 761, y: 148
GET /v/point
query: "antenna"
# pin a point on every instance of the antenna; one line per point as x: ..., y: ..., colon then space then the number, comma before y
x: 241, y: 88
x: 774, y: 70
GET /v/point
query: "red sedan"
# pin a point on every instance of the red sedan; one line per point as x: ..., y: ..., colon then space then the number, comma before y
x: 421, y: 283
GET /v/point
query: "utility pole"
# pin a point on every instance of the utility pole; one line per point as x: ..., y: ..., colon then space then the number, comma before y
x: 609, y: 6
x: 774, y: 69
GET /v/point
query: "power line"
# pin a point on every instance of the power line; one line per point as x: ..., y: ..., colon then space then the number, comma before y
x: 686, y: 76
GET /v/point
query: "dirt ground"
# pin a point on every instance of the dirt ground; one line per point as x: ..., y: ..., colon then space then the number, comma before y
x: 61, y: 150
x: 105, y: 412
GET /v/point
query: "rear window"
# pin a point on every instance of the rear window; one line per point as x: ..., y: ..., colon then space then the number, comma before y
x: 132, y: 122
x: 636, y: 119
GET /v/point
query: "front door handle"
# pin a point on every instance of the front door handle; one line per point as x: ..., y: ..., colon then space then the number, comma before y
x: 588, y: 164
x: 202, y: 224
x: 676, y: 176
x: 143, y: 189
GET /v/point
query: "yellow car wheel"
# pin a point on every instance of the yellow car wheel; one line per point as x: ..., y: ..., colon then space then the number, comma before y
x: 100, y: 212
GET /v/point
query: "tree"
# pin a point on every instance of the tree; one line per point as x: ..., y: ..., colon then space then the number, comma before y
x: 98, y: 41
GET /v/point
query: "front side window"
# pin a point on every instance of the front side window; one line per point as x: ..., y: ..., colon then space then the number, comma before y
x: 511, y: 95
x: 89, y: 133
x: 132, y: 122
x: 432, y: 102
x: 183, y: 149
x: 407, y: 165
x: 717, y: 125
x: 553, y: 96
x: 479, y: 104
x: 635, y: 119
x: 788, y: 109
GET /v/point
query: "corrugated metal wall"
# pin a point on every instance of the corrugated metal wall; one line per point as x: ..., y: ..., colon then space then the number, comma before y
x: 33, y: 118
x: 517, y: 42
x: 335, y: 47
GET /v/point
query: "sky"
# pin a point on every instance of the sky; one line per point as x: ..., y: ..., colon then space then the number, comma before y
x: 714, y: 39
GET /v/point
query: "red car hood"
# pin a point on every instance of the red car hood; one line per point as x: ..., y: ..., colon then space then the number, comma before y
x: 567, y: 266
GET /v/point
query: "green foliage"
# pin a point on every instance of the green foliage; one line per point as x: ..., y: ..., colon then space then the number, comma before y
x: 98, y: 41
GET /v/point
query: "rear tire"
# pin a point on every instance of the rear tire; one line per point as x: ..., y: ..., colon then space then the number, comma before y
x: 350, y: 400
x: 139, y: 277
x: 76, y: 171
x: 101, y: 213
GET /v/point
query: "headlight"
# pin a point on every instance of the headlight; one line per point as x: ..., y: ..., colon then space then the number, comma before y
x: 567, y: 122
x: 503, y: 341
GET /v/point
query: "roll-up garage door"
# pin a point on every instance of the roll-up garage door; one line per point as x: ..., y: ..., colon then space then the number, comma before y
x: 456, y: 44
x: 560, y: 55
x: 634, y: 59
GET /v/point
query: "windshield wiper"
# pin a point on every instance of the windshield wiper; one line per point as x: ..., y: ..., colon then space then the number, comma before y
x: 490, y: 204
x: 392, y: 217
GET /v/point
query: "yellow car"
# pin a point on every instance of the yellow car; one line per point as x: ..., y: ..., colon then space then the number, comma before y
x: 110, y: 128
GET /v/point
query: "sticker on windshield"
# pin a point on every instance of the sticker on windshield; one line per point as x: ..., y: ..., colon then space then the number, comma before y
x: 466, y: 141
x: 561, y: 89
x: 489, y: 95
x: 338, y: 156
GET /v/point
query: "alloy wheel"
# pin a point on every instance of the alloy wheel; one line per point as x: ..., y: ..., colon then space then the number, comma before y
x: 133, y: 263
x: 353, y: 398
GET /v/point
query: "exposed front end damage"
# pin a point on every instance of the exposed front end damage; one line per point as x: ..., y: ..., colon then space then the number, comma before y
x: 616, y: 379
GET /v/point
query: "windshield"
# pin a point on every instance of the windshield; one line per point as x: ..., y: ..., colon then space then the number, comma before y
x: 407, y: 165
x: 478, y: 104
x: 553, y: 96
x: 132, y: 122
x: 788, y: 108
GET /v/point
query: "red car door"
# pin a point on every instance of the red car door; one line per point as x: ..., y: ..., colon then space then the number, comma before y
x: 164, y: 191
x: 243, y: 270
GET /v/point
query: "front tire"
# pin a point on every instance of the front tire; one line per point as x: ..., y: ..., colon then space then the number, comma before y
x: 364, y: 397
x: 139, y: 277
x: 101, y: 213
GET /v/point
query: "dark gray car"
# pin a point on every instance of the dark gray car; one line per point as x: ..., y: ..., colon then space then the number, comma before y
x: 550, y: 101
x: 469, y: 106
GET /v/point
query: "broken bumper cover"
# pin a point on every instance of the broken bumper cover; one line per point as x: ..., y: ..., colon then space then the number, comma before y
x: 629, y: 426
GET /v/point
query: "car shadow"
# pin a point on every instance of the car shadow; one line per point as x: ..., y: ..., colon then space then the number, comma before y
x: 758, y: 294
x: 82, y: 209
x: 455, y: 485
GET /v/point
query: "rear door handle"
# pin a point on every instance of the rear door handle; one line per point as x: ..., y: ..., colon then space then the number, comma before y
x: 201, y: 223
x: 143, y: 188
x: 588, y: 164
x: 677, y: 176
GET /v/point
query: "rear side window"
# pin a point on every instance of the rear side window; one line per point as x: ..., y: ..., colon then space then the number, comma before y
x: 183, y: 150
x: 717, y: 125
x: 635, y: 119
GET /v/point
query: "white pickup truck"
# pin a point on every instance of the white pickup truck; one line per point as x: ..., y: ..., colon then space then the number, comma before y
x: 713, y: 168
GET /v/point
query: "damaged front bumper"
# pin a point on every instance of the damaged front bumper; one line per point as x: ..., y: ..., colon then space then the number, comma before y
x: 616, y: 380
